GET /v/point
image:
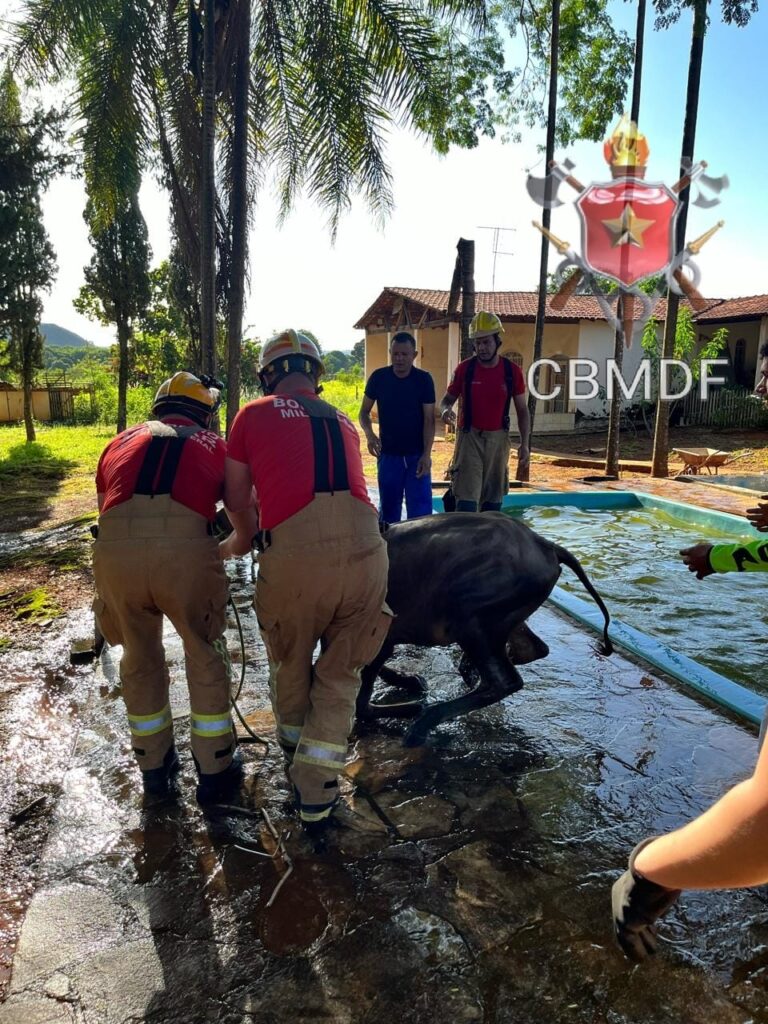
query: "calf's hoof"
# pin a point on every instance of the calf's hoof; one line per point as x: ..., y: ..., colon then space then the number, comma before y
x: 415, y: 685
x: 394, y: 709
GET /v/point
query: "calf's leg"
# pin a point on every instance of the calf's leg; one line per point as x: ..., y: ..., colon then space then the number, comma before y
x: 498, y: 679
x: 366, y: 710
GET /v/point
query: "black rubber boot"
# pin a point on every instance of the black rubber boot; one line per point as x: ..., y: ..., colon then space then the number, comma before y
x: 317, y: 833
x: 223, y: 786
x: 159, y: 782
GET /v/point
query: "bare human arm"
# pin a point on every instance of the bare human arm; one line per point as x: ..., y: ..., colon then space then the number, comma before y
x: 447, y: 415
x: 364, y: 419
x: 238, y: 501
x: 425, y: 462
x: 723, y: 848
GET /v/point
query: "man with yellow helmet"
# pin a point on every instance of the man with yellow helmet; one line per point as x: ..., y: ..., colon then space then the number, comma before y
x: 486, y: 385
x: 155, y: 555
x: 322, y: 565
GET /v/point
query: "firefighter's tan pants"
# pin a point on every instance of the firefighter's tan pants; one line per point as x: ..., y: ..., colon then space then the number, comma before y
x: 479, y: 469
x: 153, y: 557
x: 324, y: 577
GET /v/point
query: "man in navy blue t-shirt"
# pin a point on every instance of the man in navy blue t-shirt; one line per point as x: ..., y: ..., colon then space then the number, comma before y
x: 405, y: 397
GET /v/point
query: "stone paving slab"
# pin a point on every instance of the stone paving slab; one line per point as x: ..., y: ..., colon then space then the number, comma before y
x: 486, y: 900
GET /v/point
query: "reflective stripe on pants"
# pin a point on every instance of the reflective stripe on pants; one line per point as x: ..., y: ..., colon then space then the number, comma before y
x: 312, y: 586
x: 154, y: 557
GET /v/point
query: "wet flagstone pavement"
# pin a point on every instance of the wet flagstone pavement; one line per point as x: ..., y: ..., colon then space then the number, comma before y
x: 486, y: 899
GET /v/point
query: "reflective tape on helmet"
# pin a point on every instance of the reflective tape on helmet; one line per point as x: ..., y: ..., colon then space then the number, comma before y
x: 210, y: 725
x: 323, y: 755
x: 148, y: 725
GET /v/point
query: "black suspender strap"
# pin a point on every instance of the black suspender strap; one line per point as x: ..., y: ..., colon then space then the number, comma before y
x: 509, y: 381
x: 162, y: 458
x: 468, y: 378
x: 322, y: 462
x: 328, y: 442
x: 340, y: 481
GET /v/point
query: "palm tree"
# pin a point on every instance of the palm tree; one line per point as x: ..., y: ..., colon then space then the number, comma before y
x: 239, y: 207
x: 327, y: 80
x: 208, y: 193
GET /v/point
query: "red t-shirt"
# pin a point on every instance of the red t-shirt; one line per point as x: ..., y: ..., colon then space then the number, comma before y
x: 199, y: 480
x: 489, y: 393
x: 273, y: 437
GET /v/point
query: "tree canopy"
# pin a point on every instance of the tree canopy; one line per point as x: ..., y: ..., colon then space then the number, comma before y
x: 28, y: 161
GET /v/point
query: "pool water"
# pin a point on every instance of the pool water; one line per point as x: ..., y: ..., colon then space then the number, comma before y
x: 631, y: 555
x: 755, y: 482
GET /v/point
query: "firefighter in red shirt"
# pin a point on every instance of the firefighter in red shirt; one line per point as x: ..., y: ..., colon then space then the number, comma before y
x: 322, y: 565
x: 155, y: 555
x: 487, y: 384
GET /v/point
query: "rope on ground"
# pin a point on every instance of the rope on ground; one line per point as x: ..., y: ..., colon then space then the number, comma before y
x: 252, y: 736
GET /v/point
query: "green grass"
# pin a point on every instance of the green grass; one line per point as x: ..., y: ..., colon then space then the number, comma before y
x: 58, y: 451
x: 346, y: 397
x: 32, y: 606
x: 65, y: 559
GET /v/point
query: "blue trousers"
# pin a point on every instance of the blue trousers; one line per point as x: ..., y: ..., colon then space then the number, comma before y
x: 398, y: 480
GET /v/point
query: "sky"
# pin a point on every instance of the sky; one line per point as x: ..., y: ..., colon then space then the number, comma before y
x: 299, y: 279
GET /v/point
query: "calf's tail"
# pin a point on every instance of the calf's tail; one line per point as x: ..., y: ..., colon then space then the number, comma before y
x: 565, y: 557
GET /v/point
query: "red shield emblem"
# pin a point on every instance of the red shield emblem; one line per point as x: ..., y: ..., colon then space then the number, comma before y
x: 627, y: 229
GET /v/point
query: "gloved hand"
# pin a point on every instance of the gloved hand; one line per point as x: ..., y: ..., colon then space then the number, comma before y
x: 637, y: 904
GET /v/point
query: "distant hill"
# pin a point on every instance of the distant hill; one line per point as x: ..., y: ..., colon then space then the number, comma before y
x: 60, y: 336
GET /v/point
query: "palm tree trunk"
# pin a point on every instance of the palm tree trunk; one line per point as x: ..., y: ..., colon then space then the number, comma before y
x: 207, y: 196
x: 660, y: 465
x: 614, y: 416
x: 466, y: 249
x: 546, y: 217
x: 123, y: 337
x: 239, y: 214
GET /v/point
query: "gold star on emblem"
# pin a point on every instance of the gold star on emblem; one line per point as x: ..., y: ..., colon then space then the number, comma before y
x: 628, y: 228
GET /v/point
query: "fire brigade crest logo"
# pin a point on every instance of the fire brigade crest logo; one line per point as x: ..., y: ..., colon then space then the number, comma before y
x: 628, y: 232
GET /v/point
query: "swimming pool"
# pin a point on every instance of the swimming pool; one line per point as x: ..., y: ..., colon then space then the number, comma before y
x: 629, y: 545
x: 755, y: 483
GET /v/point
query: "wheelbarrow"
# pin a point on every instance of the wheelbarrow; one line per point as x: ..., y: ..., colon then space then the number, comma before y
x: 697, y: 459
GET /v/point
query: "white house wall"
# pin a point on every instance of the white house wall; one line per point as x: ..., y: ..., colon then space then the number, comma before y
x: 596, y: 341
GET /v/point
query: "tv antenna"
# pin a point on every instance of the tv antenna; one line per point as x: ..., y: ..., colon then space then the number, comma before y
x: 496, y: 250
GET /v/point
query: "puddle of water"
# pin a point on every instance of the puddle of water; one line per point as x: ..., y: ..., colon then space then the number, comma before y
x: 37, y: 734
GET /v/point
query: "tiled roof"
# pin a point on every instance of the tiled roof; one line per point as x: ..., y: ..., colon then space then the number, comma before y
x: 521, y: 306
x: 735, y: 309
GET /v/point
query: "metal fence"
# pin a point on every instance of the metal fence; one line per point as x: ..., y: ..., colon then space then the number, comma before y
x: 737, y: 408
